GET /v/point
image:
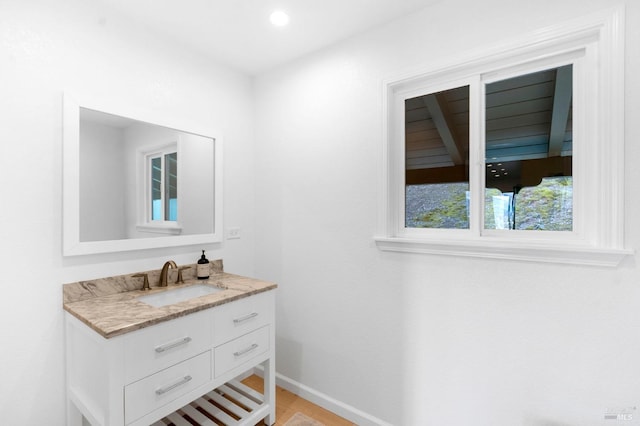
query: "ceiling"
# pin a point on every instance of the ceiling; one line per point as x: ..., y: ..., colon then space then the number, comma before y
x: 238, y: 32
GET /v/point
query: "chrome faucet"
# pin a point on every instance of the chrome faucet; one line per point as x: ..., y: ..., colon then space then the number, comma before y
x: 165, y: 272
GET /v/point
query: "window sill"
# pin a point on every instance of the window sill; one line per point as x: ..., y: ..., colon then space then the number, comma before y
x: 551, y: 253
x: 160, y: 229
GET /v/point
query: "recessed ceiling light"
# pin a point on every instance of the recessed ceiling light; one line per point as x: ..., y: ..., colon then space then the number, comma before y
x: 279, y: 18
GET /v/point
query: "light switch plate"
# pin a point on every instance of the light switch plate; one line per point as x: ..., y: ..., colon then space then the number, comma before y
x: 233, y: 233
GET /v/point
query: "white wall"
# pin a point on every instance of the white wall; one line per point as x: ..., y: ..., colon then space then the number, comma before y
x: 196, y: 211
x: 102, y: 192
x: 421, y: 339
x: 46, y: 47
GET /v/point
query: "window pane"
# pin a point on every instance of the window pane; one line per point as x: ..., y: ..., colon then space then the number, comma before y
x: 171, y: 186
x: 156, y: 188
x: 437, y: 160
x: 529, y: 148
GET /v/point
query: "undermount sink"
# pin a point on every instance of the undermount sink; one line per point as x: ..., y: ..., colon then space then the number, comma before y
x: 178, y: 295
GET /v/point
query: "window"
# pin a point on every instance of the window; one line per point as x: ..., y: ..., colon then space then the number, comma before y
x: 515, y: 153
x: 437, y: 159
x: 163, y: 178
x: 528, y: 151
x: 159, y: 201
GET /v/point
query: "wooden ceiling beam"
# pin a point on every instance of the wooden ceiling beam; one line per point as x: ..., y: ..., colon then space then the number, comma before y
x: 442, y: 119
x: 561, y: 108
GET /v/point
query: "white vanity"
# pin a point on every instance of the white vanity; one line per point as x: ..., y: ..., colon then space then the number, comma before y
x: 129, y: 363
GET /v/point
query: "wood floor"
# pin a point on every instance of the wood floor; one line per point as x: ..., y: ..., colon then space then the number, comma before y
x: 287, y: 404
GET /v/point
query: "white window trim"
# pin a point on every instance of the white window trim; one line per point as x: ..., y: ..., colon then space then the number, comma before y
x: 598, y: 237
x: 145, y: 224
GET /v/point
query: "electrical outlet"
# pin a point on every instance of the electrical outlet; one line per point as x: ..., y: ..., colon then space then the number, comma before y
x: 233, y: 233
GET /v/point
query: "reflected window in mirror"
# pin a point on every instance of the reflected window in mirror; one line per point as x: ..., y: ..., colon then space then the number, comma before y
x: 529, y: 151
x: 162, y: 178
x: 437, y: 160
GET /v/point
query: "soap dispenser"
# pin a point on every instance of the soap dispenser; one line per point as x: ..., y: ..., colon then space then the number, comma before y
x: 203, y: 267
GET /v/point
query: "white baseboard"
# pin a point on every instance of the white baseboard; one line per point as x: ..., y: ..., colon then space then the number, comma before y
x: 325, y: 401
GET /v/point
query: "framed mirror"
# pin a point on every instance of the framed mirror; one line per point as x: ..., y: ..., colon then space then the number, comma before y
x: 131, y: 182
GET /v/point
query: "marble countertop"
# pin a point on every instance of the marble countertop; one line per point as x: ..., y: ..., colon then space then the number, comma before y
x: 112, y: 313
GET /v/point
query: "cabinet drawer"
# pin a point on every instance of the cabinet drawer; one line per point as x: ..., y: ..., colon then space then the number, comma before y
x: 160, y: 346
x: 242, y: 316
x: 148, y: 394
x: 241, y: 350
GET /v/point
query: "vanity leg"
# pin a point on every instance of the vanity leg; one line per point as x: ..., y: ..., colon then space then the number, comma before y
x: 270, y: 390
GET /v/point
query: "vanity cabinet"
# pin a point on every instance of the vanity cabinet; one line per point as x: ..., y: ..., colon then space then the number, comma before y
x: 185, y: 366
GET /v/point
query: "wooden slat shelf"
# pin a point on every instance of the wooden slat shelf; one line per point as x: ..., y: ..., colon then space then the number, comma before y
x: 232, y: 404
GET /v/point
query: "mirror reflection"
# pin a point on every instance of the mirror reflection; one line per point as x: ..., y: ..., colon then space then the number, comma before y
x: 141, y: 180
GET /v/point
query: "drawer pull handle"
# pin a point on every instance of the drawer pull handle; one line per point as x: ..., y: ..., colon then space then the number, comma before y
x: 172, y: 345
x: 244, y: 351
x: 180, y: 382
x: 245, y: 318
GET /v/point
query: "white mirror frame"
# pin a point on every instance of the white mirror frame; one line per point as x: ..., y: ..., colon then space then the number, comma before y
x: 71, y: 244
